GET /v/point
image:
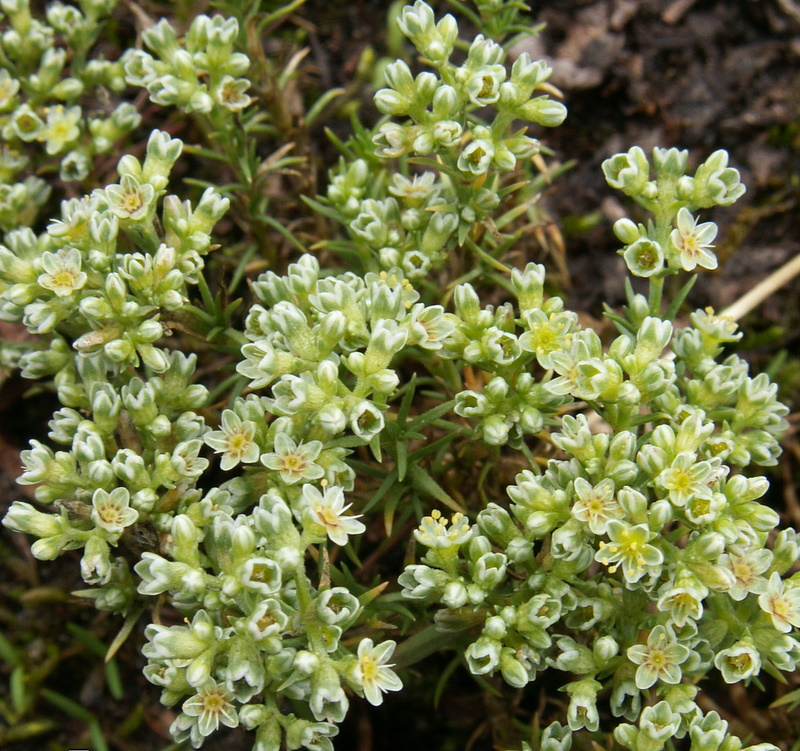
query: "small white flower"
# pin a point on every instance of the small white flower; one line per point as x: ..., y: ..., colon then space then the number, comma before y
x: 295, y: 462
x: 267, y: 620
x: 782, y: 605
x: 595, y: 504
x: 62, y: 272
x: 231, y: 93
x: 262, y: 574
x: 660, y: 659
x: 373, y: 673
x: 111, y: 511
x: 327, y: 509
x: 692, y: 242
x: 747, y: 568
x: 234, y: 441
x: 476, y: 157
x: 203, y: 713
x: 129, y: 200
x: 61, y: 128
x: 739, y: 662
x: 434, y: 533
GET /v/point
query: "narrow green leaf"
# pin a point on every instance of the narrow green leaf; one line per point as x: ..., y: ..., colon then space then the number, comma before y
x: 402, y: 459
x: 768, y: 667
x: 124, y: 632
x: 68, y: 706
x: 205, y: 293
x: 277, y: 15
x: 428, y: 417
x: 316, y: 109
x: 375, y: 447
x: 114, y: 679
x: 443, y: 679
x: 430, y: 448
x: 623, y: 325
x: 280, y: 229
x: 346, y: 151
x: 19, y: 696
x: 675, y: 305
x: 790, y: 698
x: 8, y: 652
x: 408, y: 399
x: 96, y: 736
x: 391, y: 479
x: 326, y: 211
x: 485, y: 257
x: 90, y: 641
x: 367, y: 469
x: 425, y: 483
x: 421, y: 645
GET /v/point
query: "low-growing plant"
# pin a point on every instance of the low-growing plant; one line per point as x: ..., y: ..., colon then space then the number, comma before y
x: 630, y: 555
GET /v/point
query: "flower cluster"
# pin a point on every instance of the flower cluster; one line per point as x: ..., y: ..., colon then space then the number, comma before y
x: 197, y: 74
x: 621, y: 560
x: 674, y: 241
x: 50, y: 95
x: 443, y: 115
x: 76, y: 279
x: 636, y: 557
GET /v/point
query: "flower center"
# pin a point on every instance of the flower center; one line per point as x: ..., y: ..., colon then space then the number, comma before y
x: 742, y: 572
x: 109, y: 513
x: 369, y: 668
x: 740, y: 662
x: 238, y: 443
x: 214, y: 702
x: 293, y: 463
x: 64, y: 279
x: 657, y: 659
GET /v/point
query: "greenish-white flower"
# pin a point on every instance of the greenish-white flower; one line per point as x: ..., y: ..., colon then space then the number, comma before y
x: 686, y: 478
x: 112, y: 511
x: 630, y: 548
x: 683, y: 598
x: 547, y: 333
x: 483, y: 86
x: 644, y: 257
x: 692, y: 241
x: 61, y: 128
x: 231, y: 93
x: 326, y: 510
x: 203, y: 713
x: 267, y: 620
x: 129, y: 200
x: 659, y: 660
x: 747, y: 567
x: 373, y: 672
x: 296, y: 462
x: 262, y: 574
x: 8, y: 90
x: 596, y: 504
x: 433, y: 531
x: 476, y: 157
x: 782, y: 605
x: 234, y: 441
x: 739, y: 662
x: 62, y: 272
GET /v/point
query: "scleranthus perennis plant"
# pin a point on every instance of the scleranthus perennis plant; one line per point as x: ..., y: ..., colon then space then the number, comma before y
x: 631, y: 556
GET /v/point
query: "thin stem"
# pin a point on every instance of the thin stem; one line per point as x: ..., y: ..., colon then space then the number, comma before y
x: 655, y: 294
x: 307, y: 614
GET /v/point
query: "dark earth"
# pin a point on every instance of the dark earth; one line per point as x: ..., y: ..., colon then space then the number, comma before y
x: 699, y: 75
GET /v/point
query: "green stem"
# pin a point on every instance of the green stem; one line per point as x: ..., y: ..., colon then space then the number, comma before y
x: 655, y: 295
x: 307, y: 615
